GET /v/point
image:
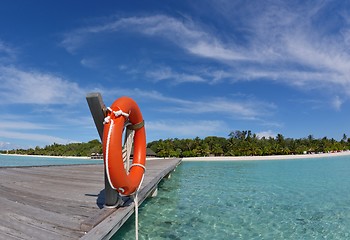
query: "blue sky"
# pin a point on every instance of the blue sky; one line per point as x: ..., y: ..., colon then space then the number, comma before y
x: 196, y: 68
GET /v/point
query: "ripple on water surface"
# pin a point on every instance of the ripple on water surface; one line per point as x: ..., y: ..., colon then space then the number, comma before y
x: 289, y: 199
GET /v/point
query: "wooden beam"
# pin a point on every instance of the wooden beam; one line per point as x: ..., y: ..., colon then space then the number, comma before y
x: 97, y: 109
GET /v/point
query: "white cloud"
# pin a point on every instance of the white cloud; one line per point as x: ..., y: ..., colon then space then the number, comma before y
x: 184, y: 129
x: 266, y: 134
x: 7, y: 146
x: 299, y: 53
x: 219, y: 75
x: 323, y: 58
x: 281, y: 40
x: 33, y: 87
x: 15, y: 128
x: 166, y: 73
x: 89, y: 62
x: 242, y: 109
x: 214, y: 49
x: 250, y: 110
x: 4, y: 145
x: 21, y: 125
x: 337, y: 103
x: 185, y: 34
x: 245, y: 108
x: 33, y: 137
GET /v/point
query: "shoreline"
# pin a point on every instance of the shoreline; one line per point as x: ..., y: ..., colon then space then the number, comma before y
x: 263, y: 158
x: 71, y: 157
x: 47, y: 156
x: 213, y: 158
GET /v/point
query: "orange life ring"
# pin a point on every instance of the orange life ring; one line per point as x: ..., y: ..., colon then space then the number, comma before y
x: 122, y: 110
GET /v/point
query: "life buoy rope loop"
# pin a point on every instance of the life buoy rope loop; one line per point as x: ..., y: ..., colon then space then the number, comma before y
x: 121, y: 111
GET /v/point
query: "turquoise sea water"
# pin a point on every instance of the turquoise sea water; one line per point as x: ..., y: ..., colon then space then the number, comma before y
x: 287, y: 199
x: 15, y: 161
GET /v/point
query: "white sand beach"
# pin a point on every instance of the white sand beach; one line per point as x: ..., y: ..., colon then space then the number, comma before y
x: 224, y: 158
x: 273, y: 157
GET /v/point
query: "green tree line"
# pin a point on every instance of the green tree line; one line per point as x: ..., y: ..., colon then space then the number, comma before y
x: 238, y: 143
x: 246, y: 143
x: 71, y: 149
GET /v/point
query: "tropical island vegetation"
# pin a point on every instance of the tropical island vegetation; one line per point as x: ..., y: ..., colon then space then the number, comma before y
x: 71, y: 149
x: 246, y: 143
x: 238, y: 143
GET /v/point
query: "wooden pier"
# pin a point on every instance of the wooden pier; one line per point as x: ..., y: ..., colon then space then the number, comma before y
x: 66, y: 202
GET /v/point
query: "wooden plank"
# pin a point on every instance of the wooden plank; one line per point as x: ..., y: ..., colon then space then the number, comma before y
x: 111, y: 224
x: 92, y: 221
x: 48, y: 202
x: 63, y: 202
x: 97, y: 109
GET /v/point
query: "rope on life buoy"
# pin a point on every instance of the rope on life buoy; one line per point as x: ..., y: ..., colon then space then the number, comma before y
x: 128, y: 144
x: 136, y: 202
x: 107, y: 149
x: 132, y: 123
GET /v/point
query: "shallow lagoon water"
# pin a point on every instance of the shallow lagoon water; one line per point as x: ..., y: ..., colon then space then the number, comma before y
x: 23, y: 161
x: 287, y: 199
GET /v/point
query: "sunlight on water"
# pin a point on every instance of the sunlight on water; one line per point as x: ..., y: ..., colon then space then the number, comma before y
x: 289, y: 199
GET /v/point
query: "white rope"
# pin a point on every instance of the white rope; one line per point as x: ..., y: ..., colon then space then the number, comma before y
x: 140, y: 165
x: 128, y: 142
x: 116, y: 114
x: 136, y: 202
x: 107, y: 151
x: 126, y: 152
x: 134, y: 195
x: 127, y: 147
x: 107, y: 120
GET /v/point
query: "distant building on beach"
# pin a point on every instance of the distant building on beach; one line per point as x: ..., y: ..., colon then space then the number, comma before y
x: 96, y: 156
x: 149, y: 153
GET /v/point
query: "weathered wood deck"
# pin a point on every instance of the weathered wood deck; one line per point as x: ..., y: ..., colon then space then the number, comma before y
x: 64, y: 202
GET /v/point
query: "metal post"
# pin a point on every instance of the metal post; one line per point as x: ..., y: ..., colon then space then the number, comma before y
x: 97, y: 109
